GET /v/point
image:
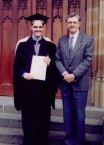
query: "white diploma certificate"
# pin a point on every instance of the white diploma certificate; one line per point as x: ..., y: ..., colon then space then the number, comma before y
x: 38, y: 67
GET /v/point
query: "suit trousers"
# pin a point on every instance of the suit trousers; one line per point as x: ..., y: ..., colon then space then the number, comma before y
x: 74, y: 103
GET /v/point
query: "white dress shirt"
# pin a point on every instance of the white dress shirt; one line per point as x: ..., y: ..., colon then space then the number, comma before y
x: 74, y: 41
x: 75, y: 38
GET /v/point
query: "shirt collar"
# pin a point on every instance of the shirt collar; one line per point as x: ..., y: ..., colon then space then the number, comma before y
x: 34, y: 38
x: 75, y: 35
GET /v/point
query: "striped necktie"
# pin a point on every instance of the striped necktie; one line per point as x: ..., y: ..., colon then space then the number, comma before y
x: 37, y: 45
x: 71, y: 43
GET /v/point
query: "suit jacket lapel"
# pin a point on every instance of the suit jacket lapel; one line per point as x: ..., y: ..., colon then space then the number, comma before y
x: 76, y: 48
x: 65, y: 47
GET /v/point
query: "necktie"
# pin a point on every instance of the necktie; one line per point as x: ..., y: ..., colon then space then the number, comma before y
x: 71, y: 43
x: 37, y: 48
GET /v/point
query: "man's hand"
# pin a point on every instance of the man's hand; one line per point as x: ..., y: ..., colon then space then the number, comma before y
x: 28, y: 76
x: 69, y: 77
x: 47, y: 60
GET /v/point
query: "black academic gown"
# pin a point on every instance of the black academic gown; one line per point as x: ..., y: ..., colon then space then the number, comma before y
x: 33, y: 97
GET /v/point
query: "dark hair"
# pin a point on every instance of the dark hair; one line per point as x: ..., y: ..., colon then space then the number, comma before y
x: 73, y: 15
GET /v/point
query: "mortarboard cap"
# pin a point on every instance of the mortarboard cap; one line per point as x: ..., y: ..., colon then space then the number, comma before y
x: 37, y: 16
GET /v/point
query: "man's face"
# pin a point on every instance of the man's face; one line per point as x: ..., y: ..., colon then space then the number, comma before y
x: 37, y: 28
x: 73, y: 25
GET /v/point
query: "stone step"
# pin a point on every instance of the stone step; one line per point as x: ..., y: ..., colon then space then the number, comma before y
x: 91, y: 112
x: 15, y: 136
x: 6, y: 144
x: 94, y: 126
x: 7, y: 106
x: 60, y: 143
x: 14, y: 120
x: 10, y: 122
x: 94, y: 112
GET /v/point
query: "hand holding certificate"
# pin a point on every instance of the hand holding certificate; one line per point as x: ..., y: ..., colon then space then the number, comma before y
x: 38, y: 67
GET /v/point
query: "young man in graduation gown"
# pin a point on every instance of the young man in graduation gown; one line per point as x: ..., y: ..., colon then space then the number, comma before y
x: 32, y: 96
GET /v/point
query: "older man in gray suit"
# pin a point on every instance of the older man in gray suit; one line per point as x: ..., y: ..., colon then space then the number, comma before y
x: 73, y: 60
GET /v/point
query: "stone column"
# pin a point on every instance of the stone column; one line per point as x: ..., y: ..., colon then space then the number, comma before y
x: 97, y: 89
x: 92, y: 28
x: 101, y: 49
x: 102, y: 92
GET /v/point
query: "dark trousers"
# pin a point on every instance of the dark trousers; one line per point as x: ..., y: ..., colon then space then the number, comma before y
x: 74, y: 103
x: 35, y: 122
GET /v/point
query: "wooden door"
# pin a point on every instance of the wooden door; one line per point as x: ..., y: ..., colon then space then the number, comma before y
x: 13, y: 27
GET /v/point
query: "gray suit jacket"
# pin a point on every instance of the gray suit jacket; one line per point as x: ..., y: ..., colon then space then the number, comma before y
x: 79, y: 60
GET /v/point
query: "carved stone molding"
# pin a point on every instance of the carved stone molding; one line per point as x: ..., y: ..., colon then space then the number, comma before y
x: 41, y: 4
x: 57, y: 4
x: 22, y: 18
x: 57, y: 18
x: 7, y: 19
x: 74, y: 3
x: 7, y: 4
x: 22, y: 4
